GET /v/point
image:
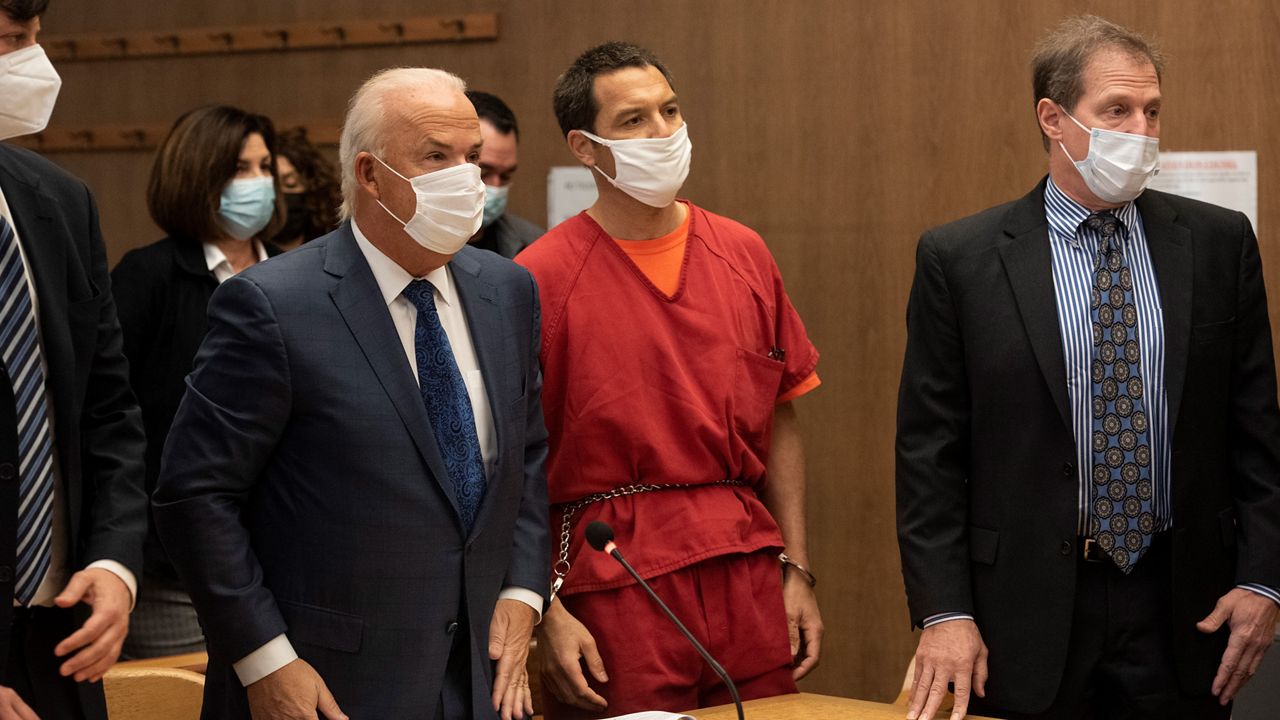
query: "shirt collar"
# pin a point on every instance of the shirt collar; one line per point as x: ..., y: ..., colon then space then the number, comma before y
x: 1065, y: 215
x: 393, y: 279
x: 213, y: 255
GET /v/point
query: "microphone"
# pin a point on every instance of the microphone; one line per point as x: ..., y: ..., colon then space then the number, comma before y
x: 600, y: 536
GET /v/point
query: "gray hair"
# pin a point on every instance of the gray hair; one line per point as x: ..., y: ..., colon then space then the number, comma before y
x: 1060, y: 58
x: 363, y: 129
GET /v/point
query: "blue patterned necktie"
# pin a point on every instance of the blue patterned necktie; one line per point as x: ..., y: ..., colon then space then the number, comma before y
x: 20, y: 352
x: 448, y: 405
x: 1123, y: 520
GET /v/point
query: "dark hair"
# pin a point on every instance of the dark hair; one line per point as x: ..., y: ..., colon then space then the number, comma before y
x: 491, y: 108
x: 574, y: 99
x: 196, y: 161
x: 1060, y: 58
x: 323, y: 193
x: 23, y: 10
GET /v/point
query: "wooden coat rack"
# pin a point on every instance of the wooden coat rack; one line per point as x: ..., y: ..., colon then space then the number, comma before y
x: 273, y: 38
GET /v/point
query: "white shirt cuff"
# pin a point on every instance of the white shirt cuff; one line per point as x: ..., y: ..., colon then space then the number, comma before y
x: 1269, y: 593
x: 121, y: 572
x: 524, y: 595
x: 267, y: 659
x: 944, y: 617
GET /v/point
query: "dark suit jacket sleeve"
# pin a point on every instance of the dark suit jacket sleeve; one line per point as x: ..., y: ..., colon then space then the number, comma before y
x: 1255, y: 431
x: 112, y: 442
x: 133, y: 285
x: 236, y: 406
x: 530, y: 566
x: 932, y: 447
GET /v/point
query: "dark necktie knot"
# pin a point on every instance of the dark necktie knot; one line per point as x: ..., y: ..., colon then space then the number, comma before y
x: 422, y: 294
x: 1107, y: 225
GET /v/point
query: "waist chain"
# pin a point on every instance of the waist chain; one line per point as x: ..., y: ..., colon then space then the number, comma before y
x: 562, y: 566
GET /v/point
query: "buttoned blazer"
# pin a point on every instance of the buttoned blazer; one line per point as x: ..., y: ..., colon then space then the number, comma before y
x: 301, y: 490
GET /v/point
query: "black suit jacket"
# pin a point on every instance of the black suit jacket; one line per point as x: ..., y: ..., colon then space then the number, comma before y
x: 96, y: 430
x: 162, y: 295
x: 986, y: 476
x: 302, y: 491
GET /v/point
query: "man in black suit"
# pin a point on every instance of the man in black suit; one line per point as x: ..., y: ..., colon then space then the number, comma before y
x: 1088, y: 442
x: 74, y: 511
x: 353, y: 486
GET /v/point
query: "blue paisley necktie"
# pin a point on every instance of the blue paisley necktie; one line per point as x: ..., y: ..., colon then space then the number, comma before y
x: 448, y: 406
x: 1123, y: 520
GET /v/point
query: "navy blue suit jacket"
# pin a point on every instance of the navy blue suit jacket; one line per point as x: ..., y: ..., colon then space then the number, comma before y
x: 302, y: 491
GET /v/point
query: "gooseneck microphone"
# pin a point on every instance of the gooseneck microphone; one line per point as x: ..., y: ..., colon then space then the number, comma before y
x: 600, y: 536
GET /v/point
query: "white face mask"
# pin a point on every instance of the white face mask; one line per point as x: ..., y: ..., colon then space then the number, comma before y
x: 28, y: 89
x: 450, y: 207
x: 650, y: 170
x: 1119, y: 164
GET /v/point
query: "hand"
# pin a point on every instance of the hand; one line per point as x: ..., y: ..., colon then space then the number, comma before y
x: 509, y: 634
x: 12, y: 707
x: 294, y: 692
x: 566, y: 644
x: 804, y: 623
x: 949, y: 652
x: 97, y: 643
x: 1252, y: 619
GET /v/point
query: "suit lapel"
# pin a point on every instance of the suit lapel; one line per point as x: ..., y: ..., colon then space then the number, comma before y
x: 1027, y: 260
x: 1171, y: 258
x: 359, y: 301
x: 484, y: 320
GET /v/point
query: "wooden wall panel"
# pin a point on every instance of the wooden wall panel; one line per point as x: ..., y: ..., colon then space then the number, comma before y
x: 839, y: 129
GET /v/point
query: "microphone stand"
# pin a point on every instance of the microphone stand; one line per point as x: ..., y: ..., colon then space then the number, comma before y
x: 724, y: 676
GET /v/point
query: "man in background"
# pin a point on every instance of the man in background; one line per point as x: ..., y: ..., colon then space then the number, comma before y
x: 500, y: 231
x: 72, y: 505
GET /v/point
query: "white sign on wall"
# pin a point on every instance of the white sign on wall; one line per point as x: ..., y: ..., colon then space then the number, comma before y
x: 1229, y: 179
x: 570, y: 190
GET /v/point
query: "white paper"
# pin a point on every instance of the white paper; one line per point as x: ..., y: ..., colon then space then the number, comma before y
x: 1229, y: 179
x: 652, y: 715
x: 570, y: 190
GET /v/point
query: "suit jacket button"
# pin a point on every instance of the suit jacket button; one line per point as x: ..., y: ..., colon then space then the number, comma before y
x: 6, y: 471
x: 451, y: 628
x: 1065, y: 548
x: 1068, y: 468
x: 6, y: 574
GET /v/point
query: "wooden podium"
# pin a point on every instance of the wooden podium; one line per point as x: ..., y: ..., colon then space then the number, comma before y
x: 806, y: 706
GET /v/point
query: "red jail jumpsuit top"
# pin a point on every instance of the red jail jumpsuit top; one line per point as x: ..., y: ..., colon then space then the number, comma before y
x: 653, y: 387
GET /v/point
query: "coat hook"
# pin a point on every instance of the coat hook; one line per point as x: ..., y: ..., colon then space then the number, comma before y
x: 225, y: 38
x: 121, y: 45
x: 394, y: 28
x: 70, y: 46
x: 459, y: 26
x: 337, y: 31
x: 281, y: 35
x: 170, y: 40
x: 136, y: 136
x: 84, y: 137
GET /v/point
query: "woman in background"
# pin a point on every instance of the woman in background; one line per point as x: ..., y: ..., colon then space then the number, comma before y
x: 213, y: 191
x: 310, y: 186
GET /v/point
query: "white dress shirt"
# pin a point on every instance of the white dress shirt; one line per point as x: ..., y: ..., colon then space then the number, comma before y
x: 59, y: 572
x: 220, y: 266
x: 392, y: 280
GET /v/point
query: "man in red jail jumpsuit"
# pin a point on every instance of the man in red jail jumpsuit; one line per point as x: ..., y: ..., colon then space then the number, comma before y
x: 671, y: 355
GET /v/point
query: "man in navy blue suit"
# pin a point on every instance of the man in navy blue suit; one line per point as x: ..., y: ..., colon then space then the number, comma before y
x: 353, y: 488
